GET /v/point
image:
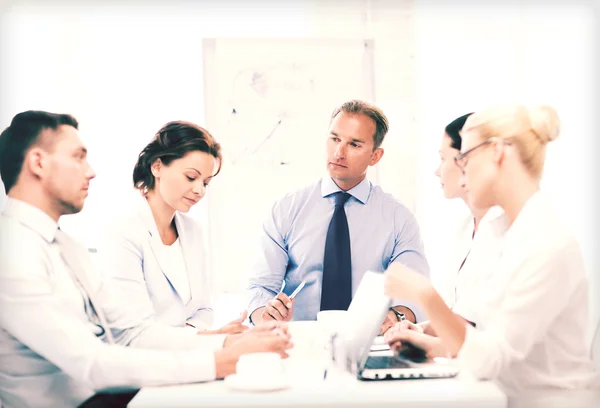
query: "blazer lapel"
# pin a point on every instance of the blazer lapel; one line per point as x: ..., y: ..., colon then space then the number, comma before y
x: 191, y: 247
x: 155, y: 242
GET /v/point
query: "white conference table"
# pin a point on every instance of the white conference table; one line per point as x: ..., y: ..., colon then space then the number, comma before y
x: 458, y: 392
x: 307, y: 388
x: 339, y: 392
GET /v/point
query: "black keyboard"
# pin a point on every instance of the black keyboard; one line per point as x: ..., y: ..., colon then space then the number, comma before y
x: 384, y: 362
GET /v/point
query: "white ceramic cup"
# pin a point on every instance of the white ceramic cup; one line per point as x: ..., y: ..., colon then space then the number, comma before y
x: 332, y: 320
x: 304, y: 335
x: 259, y: 365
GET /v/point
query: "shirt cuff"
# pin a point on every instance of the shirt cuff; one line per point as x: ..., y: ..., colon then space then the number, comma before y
x: 198, y: 324
x: 257, y: 301
x: 203, y: 319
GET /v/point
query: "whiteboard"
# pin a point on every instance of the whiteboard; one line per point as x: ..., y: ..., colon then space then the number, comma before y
x: 268, y: 102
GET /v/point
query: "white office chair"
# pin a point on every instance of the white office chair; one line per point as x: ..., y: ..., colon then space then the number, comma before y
x: 595, y: 349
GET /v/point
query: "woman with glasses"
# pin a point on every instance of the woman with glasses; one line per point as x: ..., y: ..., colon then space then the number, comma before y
x: 473, y: 251
x: 534, y: 307
x: 476, y: 246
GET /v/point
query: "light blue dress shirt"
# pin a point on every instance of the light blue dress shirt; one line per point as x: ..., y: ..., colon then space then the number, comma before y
x: 382, y: 230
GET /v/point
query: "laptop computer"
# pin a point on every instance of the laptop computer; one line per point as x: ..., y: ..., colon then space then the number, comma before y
x: 352, y: 344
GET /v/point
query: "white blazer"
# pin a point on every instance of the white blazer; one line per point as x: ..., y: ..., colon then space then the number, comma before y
x: 137, y: 267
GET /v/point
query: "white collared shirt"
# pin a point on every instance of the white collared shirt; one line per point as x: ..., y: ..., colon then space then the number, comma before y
x: 479, y: 263
x: 461, y: 241
x: 49, y: 352
x: 533, y: 316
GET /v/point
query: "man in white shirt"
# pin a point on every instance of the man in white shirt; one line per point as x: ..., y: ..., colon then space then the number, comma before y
x: 57, y: 346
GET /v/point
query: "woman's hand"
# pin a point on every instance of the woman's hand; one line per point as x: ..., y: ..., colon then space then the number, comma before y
x: 406, y: 325
x: 268, y: 337
x: 235, y: 326
x: 411, y: 333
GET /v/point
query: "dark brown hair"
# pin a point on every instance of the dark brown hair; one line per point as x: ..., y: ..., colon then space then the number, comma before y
x: 173, y: 141
x: 453, y: 130
x: 24, y: 132
x: 359, y: 107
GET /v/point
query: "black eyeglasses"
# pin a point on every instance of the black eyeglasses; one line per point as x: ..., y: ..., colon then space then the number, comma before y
x: 462, y: 160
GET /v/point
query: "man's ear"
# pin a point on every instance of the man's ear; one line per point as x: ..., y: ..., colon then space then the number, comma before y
x: 156, y: 167
x: 377, y: 155
x: 35, y: 161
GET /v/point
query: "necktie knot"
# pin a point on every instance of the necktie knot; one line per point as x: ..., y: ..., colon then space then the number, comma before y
x: 341, y: 198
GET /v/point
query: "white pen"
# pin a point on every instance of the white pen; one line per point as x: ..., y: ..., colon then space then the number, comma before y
x: 298, y: 289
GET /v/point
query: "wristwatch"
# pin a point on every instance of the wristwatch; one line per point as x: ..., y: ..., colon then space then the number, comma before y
x: 399, y: 315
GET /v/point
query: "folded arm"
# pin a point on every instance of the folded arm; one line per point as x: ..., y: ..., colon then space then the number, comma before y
x: 269, y: 272
x: 54, y: 326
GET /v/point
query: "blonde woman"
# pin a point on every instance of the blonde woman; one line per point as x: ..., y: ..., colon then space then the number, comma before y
x: 534, y: 306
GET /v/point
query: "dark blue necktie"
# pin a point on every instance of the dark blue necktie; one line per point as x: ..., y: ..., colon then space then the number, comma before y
x: 336, y: 292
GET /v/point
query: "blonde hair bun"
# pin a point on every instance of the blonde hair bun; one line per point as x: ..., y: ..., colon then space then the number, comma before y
x: 544, y: 122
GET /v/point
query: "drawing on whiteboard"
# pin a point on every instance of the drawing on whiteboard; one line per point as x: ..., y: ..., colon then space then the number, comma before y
x: 263, y: 103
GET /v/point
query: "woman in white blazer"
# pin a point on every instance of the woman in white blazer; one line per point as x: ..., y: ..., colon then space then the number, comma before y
x: 532, y: 337
x: 155, y: 254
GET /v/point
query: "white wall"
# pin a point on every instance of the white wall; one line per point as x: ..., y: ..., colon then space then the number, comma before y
x: 126, y: 70
x: 123, y: 71
x: 472, y: 56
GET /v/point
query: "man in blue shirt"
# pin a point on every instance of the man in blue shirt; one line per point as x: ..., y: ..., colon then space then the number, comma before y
x: 306, y: 236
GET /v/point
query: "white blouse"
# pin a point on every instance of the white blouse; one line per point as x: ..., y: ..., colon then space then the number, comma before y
x: 534, y: 310
x: 461, y: 245
x: 479, y: 254
x: 177, y: 270
x: 479, y: 263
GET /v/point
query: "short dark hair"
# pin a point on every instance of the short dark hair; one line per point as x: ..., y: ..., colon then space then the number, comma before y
x: 173, y: 141
x: 23, y: 133
x: 453, y: 130
x: 359, y: 107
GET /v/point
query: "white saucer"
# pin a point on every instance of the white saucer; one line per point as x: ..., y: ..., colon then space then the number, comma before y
x: 256, y: 384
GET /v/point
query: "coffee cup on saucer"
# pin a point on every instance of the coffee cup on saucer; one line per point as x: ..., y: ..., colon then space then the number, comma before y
x: 258, y: 372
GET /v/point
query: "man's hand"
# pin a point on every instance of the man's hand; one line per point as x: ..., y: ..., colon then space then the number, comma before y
x: 268, y: 337
x: 280, y: 308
